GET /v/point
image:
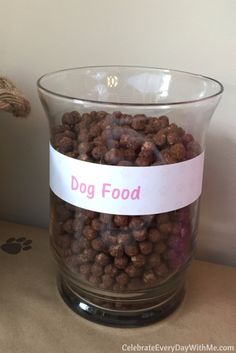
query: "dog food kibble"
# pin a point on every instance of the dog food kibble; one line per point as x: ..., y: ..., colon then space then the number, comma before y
x: 116, y: 250
x: 119, y: 252
x: 111, y: 270
x: 121, y: 262
x: 131, y: 249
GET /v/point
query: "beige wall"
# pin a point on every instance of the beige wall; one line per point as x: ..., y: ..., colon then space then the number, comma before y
x: 40, y: 36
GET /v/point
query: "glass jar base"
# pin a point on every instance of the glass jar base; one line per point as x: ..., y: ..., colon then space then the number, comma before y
x: 119, y: 318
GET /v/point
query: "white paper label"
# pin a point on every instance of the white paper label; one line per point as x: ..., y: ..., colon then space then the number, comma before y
x: 126, y: 190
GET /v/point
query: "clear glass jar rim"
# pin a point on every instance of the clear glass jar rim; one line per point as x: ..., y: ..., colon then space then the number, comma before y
x: 102, y: 103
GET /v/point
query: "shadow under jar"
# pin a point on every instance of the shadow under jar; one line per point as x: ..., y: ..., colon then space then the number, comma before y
x: 126, y: 164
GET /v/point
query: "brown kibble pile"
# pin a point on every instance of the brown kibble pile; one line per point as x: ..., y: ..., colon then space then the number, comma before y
x: 120, y: 139
x: 115, y: 252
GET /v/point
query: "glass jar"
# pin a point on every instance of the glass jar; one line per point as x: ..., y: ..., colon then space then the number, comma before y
x: 126, y: 163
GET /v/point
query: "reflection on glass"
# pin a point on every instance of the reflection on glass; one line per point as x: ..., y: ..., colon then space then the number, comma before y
x: 165, y: 86
x: 112, y: 81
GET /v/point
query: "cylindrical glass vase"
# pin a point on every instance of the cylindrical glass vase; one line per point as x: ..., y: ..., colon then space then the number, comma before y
x: 126, y: 164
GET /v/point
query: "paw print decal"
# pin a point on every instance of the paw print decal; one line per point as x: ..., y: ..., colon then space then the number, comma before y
x: 14, y: 246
